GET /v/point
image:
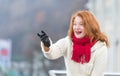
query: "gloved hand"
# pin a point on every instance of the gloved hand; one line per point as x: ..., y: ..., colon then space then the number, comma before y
x: 44, y: 38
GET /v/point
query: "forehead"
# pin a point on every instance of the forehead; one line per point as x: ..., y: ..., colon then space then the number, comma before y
x: 78, y: 19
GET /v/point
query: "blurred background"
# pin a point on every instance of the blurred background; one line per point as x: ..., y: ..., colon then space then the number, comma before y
x: 21, y: 20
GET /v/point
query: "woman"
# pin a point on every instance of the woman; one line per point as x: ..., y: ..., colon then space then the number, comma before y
x: 84, y: 49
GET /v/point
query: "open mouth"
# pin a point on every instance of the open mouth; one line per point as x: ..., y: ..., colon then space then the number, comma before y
x: 78, y: 32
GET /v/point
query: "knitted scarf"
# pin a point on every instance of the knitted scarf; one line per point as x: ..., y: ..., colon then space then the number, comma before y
x: 82, y: 49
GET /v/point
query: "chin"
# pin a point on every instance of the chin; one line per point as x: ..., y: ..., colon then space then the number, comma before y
x: 79, y: 37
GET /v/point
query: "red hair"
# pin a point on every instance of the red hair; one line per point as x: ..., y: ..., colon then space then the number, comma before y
x: 92, y: 27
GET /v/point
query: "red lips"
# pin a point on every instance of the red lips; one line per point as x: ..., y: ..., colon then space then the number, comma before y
x: 78, y: 32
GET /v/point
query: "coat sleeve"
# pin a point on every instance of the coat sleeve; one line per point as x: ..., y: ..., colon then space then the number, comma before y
x: 100, y: 62
x: 56, y: 50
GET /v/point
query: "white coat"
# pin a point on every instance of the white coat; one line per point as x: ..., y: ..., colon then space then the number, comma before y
x: 95, y: 67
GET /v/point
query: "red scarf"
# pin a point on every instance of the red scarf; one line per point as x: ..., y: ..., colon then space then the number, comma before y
x: 82, y: 49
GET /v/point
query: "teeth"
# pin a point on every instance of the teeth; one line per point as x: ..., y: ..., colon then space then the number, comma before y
x: 78, y: 32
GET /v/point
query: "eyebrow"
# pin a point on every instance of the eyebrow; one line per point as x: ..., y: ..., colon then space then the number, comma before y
x: 79, y: 22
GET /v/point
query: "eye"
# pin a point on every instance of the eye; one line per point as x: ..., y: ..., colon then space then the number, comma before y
x: 74, y: 24
x: 81, y: 24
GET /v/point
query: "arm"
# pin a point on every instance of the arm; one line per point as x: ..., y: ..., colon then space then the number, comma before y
x: 100, y: 62
x: 56, y: 50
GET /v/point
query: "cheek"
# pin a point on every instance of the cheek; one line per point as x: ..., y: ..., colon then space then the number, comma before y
x: 84, y: 32
x: 82, y: 27
x: 73, y: 28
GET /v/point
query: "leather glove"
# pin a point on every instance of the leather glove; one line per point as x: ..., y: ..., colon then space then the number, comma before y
x: 44, y: 38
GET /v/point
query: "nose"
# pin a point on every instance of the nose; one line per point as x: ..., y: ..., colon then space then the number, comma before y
x: 77, y: 27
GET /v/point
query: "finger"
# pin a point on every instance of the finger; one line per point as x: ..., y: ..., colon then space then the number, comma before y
x: 43, y: 32
x: 38, y: 34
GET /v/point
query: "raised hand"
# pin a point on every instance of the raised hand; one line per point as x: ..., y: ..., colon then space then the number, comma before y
x: 44, y: 38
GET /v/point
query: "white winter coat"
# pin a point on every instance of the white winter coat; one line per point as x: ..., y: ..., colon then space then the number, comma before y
x: 95, y: 67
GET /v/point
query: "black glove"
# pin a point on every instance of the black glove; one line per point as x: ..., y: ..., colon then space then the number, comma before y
x: 44, y: 38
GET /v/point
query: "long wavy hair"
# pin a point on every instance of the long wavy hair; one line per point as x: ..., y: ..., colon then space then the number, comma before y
x: 91, y: 25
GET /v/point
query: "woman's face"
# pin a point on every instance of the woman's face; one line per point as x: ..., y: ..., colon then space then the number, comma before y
x: 78, y: 27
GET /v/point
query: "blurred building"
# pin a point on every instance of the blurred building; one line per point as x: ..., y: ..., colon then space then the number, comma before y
x: 108, y: 13
x: 5, y: 53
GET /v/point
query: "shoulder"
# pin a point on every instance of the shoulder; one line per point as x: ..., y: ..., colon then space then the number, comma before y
x: 99, y: 45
